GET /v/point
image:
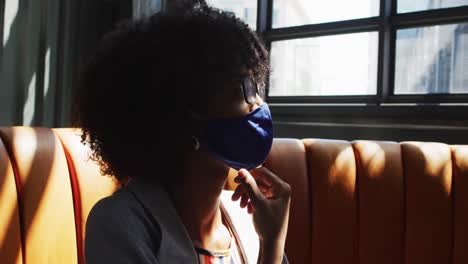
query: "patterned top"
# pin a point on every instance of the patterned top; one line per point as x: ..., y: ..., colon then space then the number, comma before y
x: 228, y: 256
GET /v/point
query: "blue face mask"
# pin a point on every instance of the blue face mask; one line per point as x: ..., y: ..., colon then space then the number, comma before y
x: 240, y: 142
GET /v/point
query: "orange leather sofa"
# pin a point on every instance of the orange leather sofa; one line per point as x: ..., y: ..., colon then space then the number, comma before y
x: 353, y: 202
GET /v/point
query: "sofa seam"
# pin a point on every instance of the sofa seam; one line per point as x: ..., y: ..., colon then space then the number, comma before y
x: 76, y: 196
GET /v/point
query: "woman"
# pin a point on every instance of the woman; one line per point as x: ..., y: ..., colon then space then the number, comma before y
x: 198, y: 77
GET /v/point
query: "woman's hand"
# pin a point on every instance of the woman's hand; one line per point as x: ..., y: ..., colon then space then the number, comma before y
x: 268, y: 198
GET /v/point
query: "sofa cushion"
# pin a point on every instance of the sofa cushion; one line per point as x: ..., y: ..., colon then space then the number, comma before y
x: 381, y: 190
x: 287, y: 159
x: 460, y: 209
x: 45, y: 195
x: 10, y: 233
x: 428, y: 203
x: 88, y: 185
x: 332, y: 173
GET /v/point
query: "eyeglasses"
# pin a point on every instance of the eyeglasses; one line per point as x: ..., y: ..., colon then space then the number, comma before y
x: 250, y: 89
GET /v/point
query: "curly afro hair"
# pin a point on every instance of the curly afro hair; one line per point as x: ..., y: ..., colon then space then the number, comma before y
x: 136, y: 90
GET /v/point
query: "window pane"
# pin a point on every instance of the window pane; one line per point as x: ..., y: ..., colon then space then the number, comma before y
x: 420, y: 5
x: 145, y: 7
x: 287, y: 13
x: 244, y: 9
x: 432, y: 60
x: 331, y: 65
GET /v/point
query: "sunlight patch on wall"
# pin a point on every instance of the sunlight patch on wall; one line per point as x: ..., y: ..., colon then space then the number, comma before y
x: 28, y: 110
x: 11, y: 11
x: 46, y: 73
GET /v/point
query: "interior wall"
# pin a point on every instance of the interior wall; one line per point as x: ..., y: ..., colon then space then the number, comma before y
x: 44, y: 44
x: 432, y: 123
x: 28, y: 61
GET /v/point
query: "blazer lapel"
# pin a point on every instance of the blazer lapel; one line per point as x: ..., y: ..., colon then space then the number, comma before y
x: 176, y: 245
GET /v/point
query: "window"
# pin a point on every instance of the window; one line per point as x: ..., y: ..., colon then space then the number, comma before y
x: 432, y: 60
x: 420, y: 5
x: 244, y: 9
x: 301, y: 12
x: 343, y: 64
x: 366, y: 51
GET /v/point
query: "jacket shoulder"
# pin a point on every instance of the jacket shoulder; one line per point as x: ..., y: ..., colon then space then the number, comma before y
x: 118, y: 229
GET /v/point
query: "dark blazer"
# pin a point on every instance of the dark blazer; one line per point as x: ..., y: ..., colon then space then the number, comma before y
x: 139, y: 224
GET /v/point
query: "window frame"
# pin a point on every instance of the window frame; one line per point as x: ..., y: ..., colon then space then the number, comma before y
x: 386, y: 24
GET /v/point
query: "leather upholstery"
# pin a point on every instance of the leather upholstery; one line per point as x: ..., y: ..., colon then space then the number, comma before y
x: 460, y: 210
x: 10, y: 233
x: 428, y: 174
x: 88, y: 185
x: 381, y: 210
x: 332, y: 174
x: 352, y: 202
x: 45, y: 197
x: 285, y: 152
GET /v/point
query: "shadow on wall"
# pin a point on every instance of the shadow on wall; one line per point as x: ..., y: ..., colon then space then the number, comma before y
x: 28, y: 56
x: 43, y: 44
x: 13, y: 74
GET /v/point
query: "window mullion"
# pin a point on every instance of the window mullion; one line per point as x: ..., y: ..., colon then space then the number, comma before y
x: 431, y: 17
x: 264, y: 24
x: 386, y: 51
x: 264, y: 15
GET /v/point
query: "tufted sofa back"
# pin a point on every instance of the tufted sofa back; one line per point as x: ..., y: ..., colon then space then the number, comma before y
x: 353, y: 202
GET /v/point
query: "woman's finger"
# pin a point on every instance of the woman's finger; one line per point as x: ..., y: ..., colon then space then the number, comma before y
x: 263, y: 172
x: 261, y: 180
x: 238, y: 192
x: 244, y: 201
x: 250, y: 208
x: 276, y: 183
x: 250, y: 187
